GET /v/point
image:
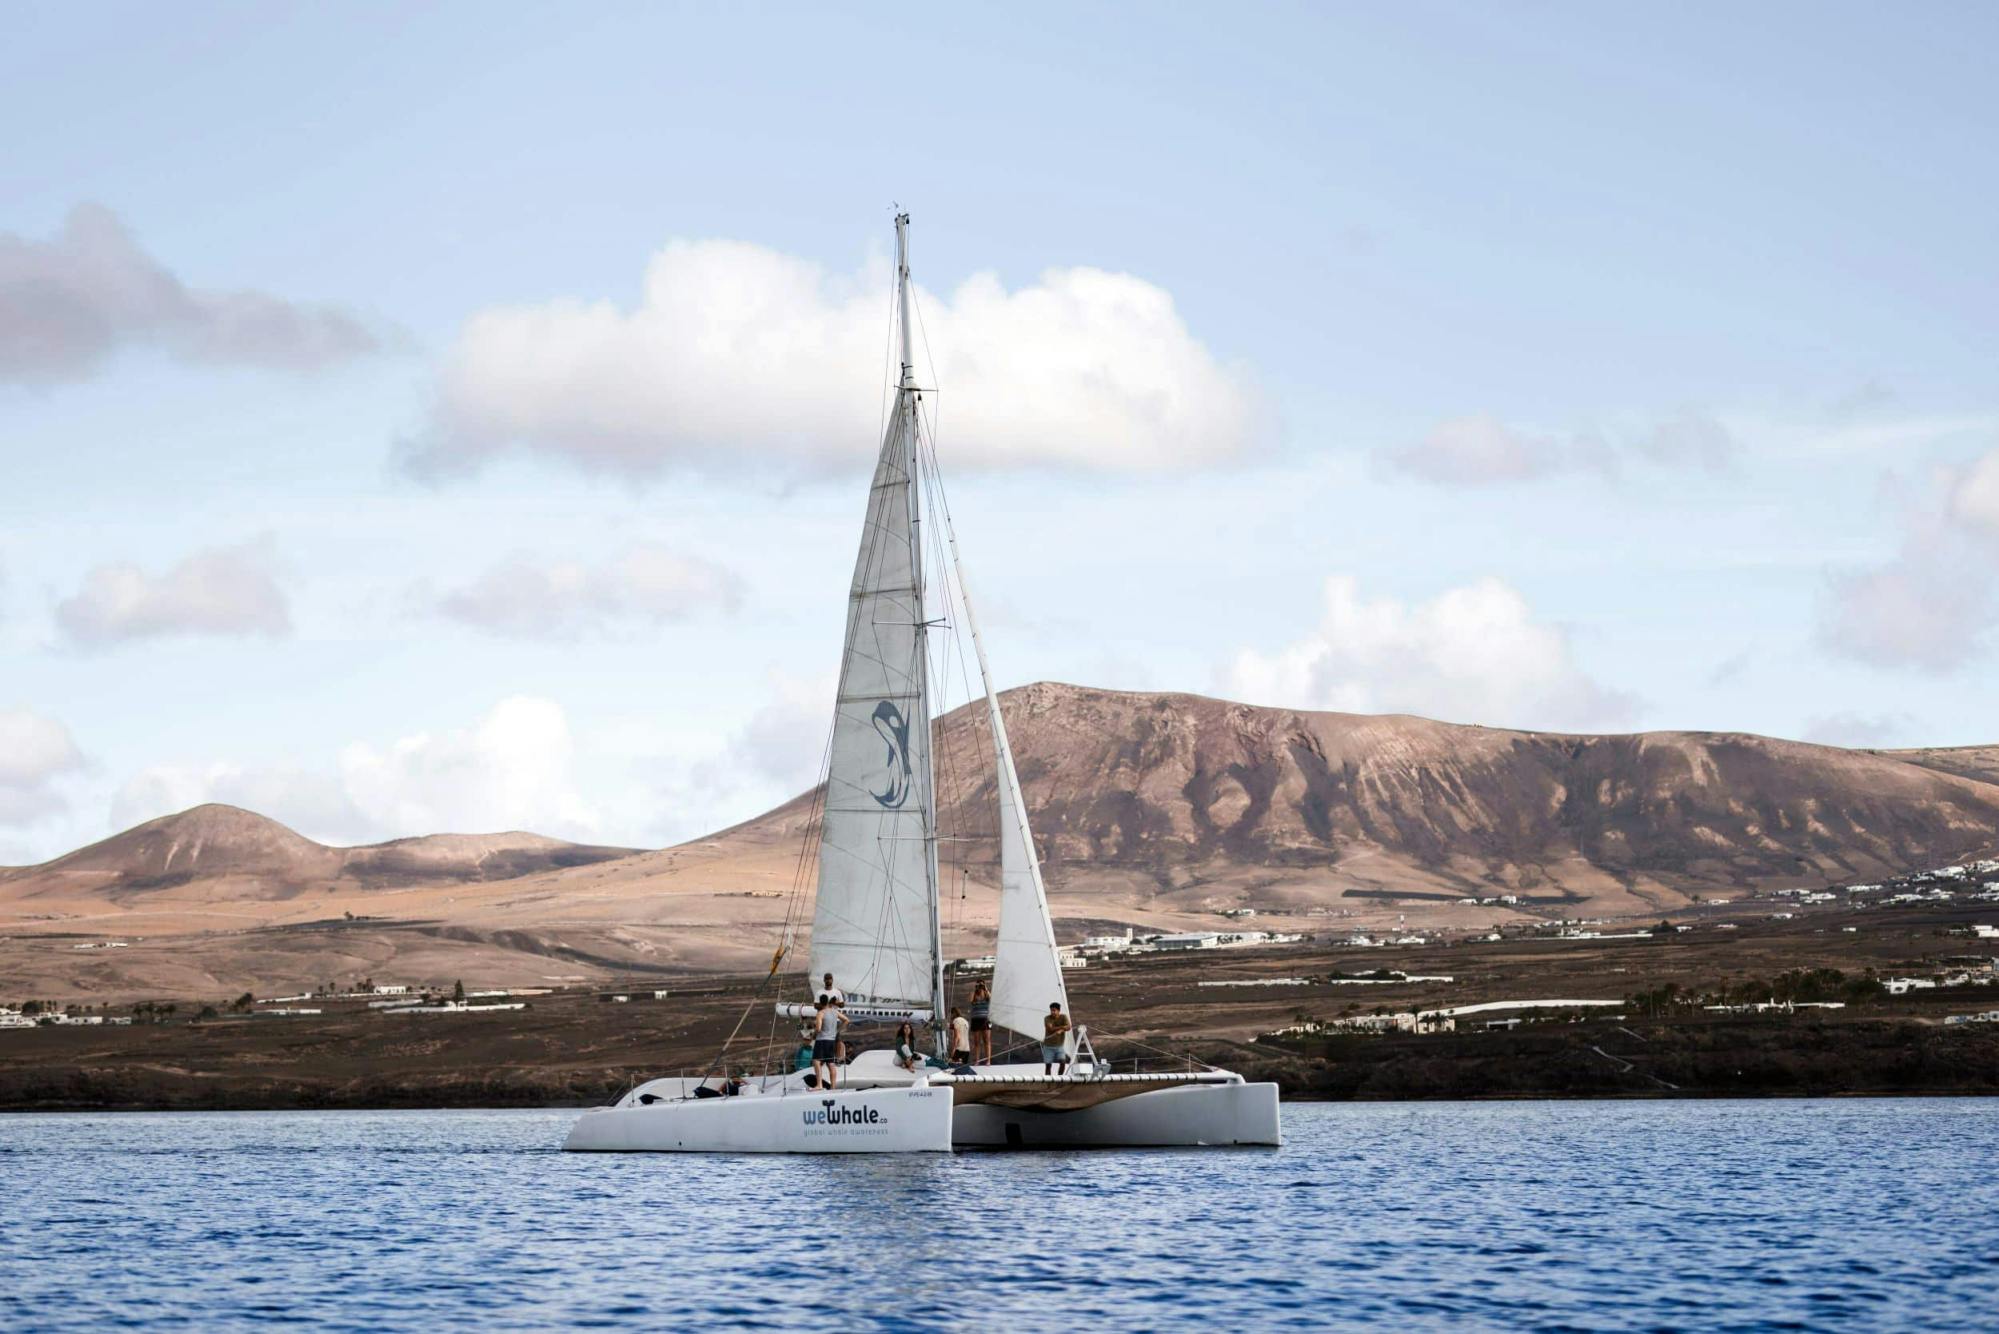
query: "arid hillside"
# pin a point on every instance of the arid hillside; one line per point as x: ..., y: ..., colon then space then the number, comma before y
x: 1201, y: 800
x: 258, y: 858
x: 1979, y: 762
x: 1153, y: 810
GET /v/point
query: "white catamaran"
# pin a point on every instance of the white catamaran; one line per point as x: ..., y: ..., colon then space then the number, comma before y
x: 877, y: 923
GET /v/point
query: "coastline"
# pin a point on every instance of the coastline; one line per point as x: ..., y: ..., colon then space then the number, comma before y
x: 582, y: 1047
x: 1591, y: 1060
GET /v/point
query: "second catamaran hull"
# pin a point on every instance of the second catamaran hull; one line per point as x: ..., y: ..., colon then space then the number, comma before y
x: 904, y: 1120
x: 1199, y: 1116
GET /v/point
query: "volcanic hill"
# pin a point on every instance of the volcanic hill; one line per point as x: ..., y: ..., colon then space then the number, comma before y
x: 259, y: 858
x: 1153, y: 810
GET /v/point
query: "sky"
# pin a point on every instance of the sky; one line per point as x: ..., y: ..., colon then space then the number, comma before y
x: 458, y: 416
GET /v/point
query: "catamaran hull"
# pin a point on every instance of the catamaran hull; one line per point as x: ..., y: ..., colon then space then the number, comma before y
x: 905, y: 1120
x: 1201, y: 1115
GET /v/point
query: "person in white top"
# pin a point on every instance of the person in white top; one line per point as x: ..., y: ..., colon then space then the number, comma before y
x: 961, y: 1037
x: 826, y: 988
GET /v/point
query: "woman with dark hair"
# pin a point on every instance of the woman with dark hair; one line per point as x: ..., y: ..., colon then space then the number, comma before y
x: 905, y: 1046
x: 982, y: 1024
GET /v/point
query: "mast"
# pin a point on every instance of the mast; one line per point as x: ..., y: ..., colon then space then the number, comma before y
x: 908, y: 396
x: 907, y: 384
x: 875, y: 916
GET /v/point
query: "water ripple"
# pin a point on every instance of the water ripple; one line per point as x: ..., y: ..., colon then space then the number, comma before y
x: 1545, y: 1216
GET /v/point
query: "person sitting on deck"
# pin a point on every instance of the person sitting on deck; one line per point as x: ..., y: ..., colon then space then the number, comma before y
x: 906, y: 1054
x: 1055, y: 1040
x: 826, y: 1043
x: 731, y: 1086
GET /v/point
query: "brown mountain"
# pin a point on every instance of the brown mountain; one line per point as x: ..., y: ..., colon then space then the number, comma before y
x: 1194, y: 797
x: 260, y: 858
x: 1980, y: 762
x: 1156, y: 810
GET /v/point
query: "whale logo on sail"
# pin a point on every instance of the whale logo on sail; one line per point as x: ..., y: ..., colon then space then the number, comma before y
x: 893, y: 729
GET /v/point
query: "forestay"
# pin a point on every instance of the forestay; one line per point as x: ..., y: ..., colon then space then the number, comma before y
x: 1027, y: 973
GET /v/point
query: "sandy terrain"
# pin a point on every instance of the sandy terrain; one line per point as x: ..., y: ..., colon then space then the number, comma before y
x: 1151, y: 811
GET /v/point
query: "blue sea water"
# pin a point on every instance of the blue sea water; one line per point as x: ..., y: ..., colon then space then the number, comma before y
x: 1852, y: 1214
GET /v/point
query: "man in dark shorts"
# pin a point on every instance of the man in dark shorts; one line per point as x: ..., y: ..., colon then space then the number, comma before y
x: 826, y: 988
x: 826, y: 1031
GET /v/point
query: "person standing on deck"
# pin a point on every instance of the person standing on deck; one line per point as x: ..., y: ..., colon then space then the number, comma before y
x: 826, y: 988
x: 826, y: 1043
x: 1055, y: 1040
x: 961, y: 1038
x: 982, y: 1024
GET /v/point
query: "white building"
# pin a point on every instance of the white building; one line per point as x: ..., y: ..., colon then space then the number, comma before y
x: 1987, y: 1017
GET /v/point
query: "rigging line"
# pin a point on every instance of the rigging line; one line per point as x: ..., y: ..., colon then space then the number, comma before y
x: 991, y: 760
x: 969, y: 824
x: 988, y: 761
x: 814, y: 831
x: 949, y: 746
x: 923, y: 336
x: 950, y: 646
x: 889, y: 377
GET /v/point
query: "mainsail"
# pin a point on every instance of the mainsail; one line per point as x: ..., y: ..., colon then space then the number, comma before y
x: 874, y: 925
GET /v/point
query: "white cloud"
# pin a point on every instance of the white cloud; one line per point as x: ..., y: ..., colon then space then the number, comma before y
x: 1470, y: 654
x: 68, y: 303
x: 1932, y: 605
x: 1691, y: 437
x: 784, y: 741
x: 1855, y: 729
x: 1974, y: 495
x: 314, y: 804
x: 738, y: 357
x: 512, y: 768
x: 647, y: 584
x: 1928, y: 608
x: 219, y: 591
x: 1481, y: 450
x: 35, y: 753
